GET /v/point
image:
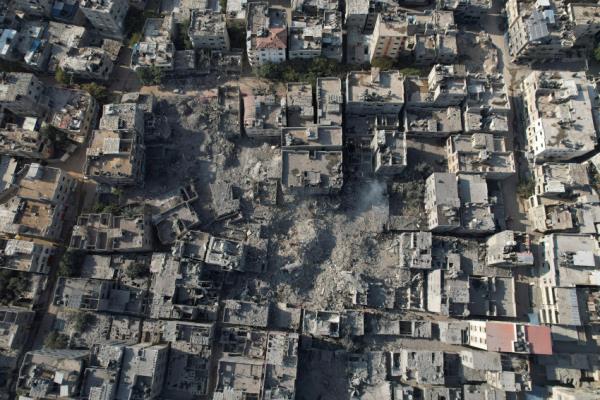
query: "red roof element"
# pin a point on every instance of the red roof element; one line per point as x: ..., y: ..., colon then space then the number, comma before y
x: 277, y: 39
x: 502, y: 335
x: 540, y: 338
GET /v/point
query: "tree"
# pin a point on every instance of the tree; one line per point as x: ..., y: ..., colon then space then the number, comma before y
x: 597, y: 54
x: 526, y: 188
x: 99, y: 92
x: 82, y: 321
x: 56, y: 340
x: 61, y: 77
x: 70, y: 262
x: 182, y: 40
x: 237, y: 34
x: 384, y: 63
x: 409, y: 71
x: 137, y: 270
x: 12, y: 285
x: 150, y: 75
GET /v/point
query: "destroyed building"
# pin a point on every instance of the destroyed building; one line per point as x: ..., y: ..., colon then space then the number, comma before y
x: 23, y: 137
x: 108, y: 233
x: 88, y: 63
x: 182, y: 289
x: 109, y: 296
x: 264, y: 115
x: 421, y: 366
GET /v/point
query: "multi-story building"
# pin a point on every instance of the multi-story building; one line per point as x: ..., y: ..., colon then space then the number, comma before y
x: 156, y: 48
x: 560, y: 115
x: 510, y: 337
x: 25, y: 255
x: 144, y: 370
x: 22, y: 137
x: 266, y: 38
x: 561, y: 179
x: 23, y: 94
x: 329, y: 101
x: 374, y: 93
x: 116, y: 155
x: 569, y: 261
x: 208, y: 30
x: 547, y: 30
x: 108, y: 233
x: 107, y: 16
x: 442, y: 203
x: 74, y: 113
x: 480, y: 153
x: 89, y: 63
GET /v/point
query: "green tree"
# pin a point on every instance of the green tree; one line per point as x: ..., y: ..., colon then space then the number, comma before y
x: 384, y: 63
x: 237, y: 34
x: 597, y: 53
x: 99, y: 92
x: 70, y: 263
x: 56, y: 340
x: 410, y: 71
x: 137, y: 270
x: 12, y: 285
x: 61, y: 77
x: 182, y: 39
x: 151, y: 75
x: 82, y: 321
x: 526, y: 188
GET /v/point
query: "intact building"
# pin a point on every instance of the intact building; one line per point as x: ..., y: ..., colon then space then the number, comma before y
x: 107, y: 16
x: 560, y: 114
x: 208, y: 30
x: 266, y: 37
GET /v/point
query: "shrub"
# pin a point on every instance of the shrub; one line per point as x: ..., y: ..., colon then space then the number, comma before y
x: 82, y: 321
x: 150, y: 76
x: 70, y: 262
x: 137, y: 270
x: 56, y: 340
x: 99, y: 92
x: 12, y: 285
x: 385, y: 63
x: 526, y: 188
